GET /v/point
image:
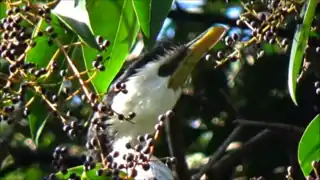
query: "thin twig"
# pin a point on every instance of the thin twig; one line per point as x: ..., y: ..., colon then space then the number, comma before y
x: 277, y: 126
x: 218, y: 152
x: 75, y: 72
x: 233, y: 157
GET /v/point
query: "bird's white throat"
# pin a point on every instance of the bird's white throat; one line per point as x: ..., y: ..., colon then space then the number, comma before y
x: 148, y: 96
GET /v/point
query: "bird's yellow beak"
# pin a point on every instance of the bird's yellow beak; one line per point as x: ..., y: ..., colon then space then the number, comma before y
x: 197, y: 48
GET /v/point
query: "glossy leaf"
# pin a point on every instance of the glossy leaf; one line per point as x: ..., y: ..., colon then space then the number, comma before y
x: 314, y: 34
x: 41, y: 55
x: 120, y: 27
x: 143, y: 12
x: 91, y: 174
x: 78, y: 170
x: 3, y: 8
x: 75, y: 16
x: 299, y: 46
x: 151, y: 15
x: 309, y: 146
x: 38, y: 118
x: 77, y: 57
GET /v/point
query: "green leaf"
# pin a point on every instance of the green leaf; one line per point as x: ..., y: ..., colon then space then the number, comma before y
x: 3, y: 9
x: 299, y: 46
x: 314, y: 34
x: 79, y: 171
x: 38, y: 118
x: 143, y: 12
x: 33, y: 173
x: 268, y: 48
x: 75, y: 16
x: 39, y: 122
x: 151, y: 15
x: 41, y: 55
x: 309, y: 146
x: 120, y: 27
x: 77, y: 56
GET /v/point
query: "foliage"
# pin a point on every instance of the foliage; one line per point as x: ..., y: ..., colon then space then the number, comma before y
x: 309, y: 146
x: 59, y: 58
x: 46, y: 71
x: 299, y: 46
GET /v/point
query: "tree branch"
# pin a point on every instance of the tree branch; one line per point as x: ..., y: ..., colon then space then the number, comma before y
x: 176, y: 141
x: 218, y: 152
x: 232, y: 158
x: 215, y: 168
x: 211, y: 18
x: 272, y: 126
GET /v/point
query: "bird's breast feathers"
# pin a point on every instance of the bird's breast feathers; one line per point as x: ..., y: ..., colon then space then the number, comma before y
x: 148, y: 96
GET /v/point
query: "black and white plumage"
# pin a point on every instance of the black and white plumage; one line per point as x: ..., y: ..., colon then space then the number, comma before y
x: 148, y: 95
x: 153, y: 71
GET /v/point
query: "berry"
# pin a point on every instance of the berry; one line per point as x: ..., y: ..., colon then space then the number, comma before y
x: 146, y: 166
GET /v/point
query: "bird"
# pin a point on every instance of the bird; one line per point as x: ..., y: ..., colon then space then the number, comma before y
x: 153, y: 85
